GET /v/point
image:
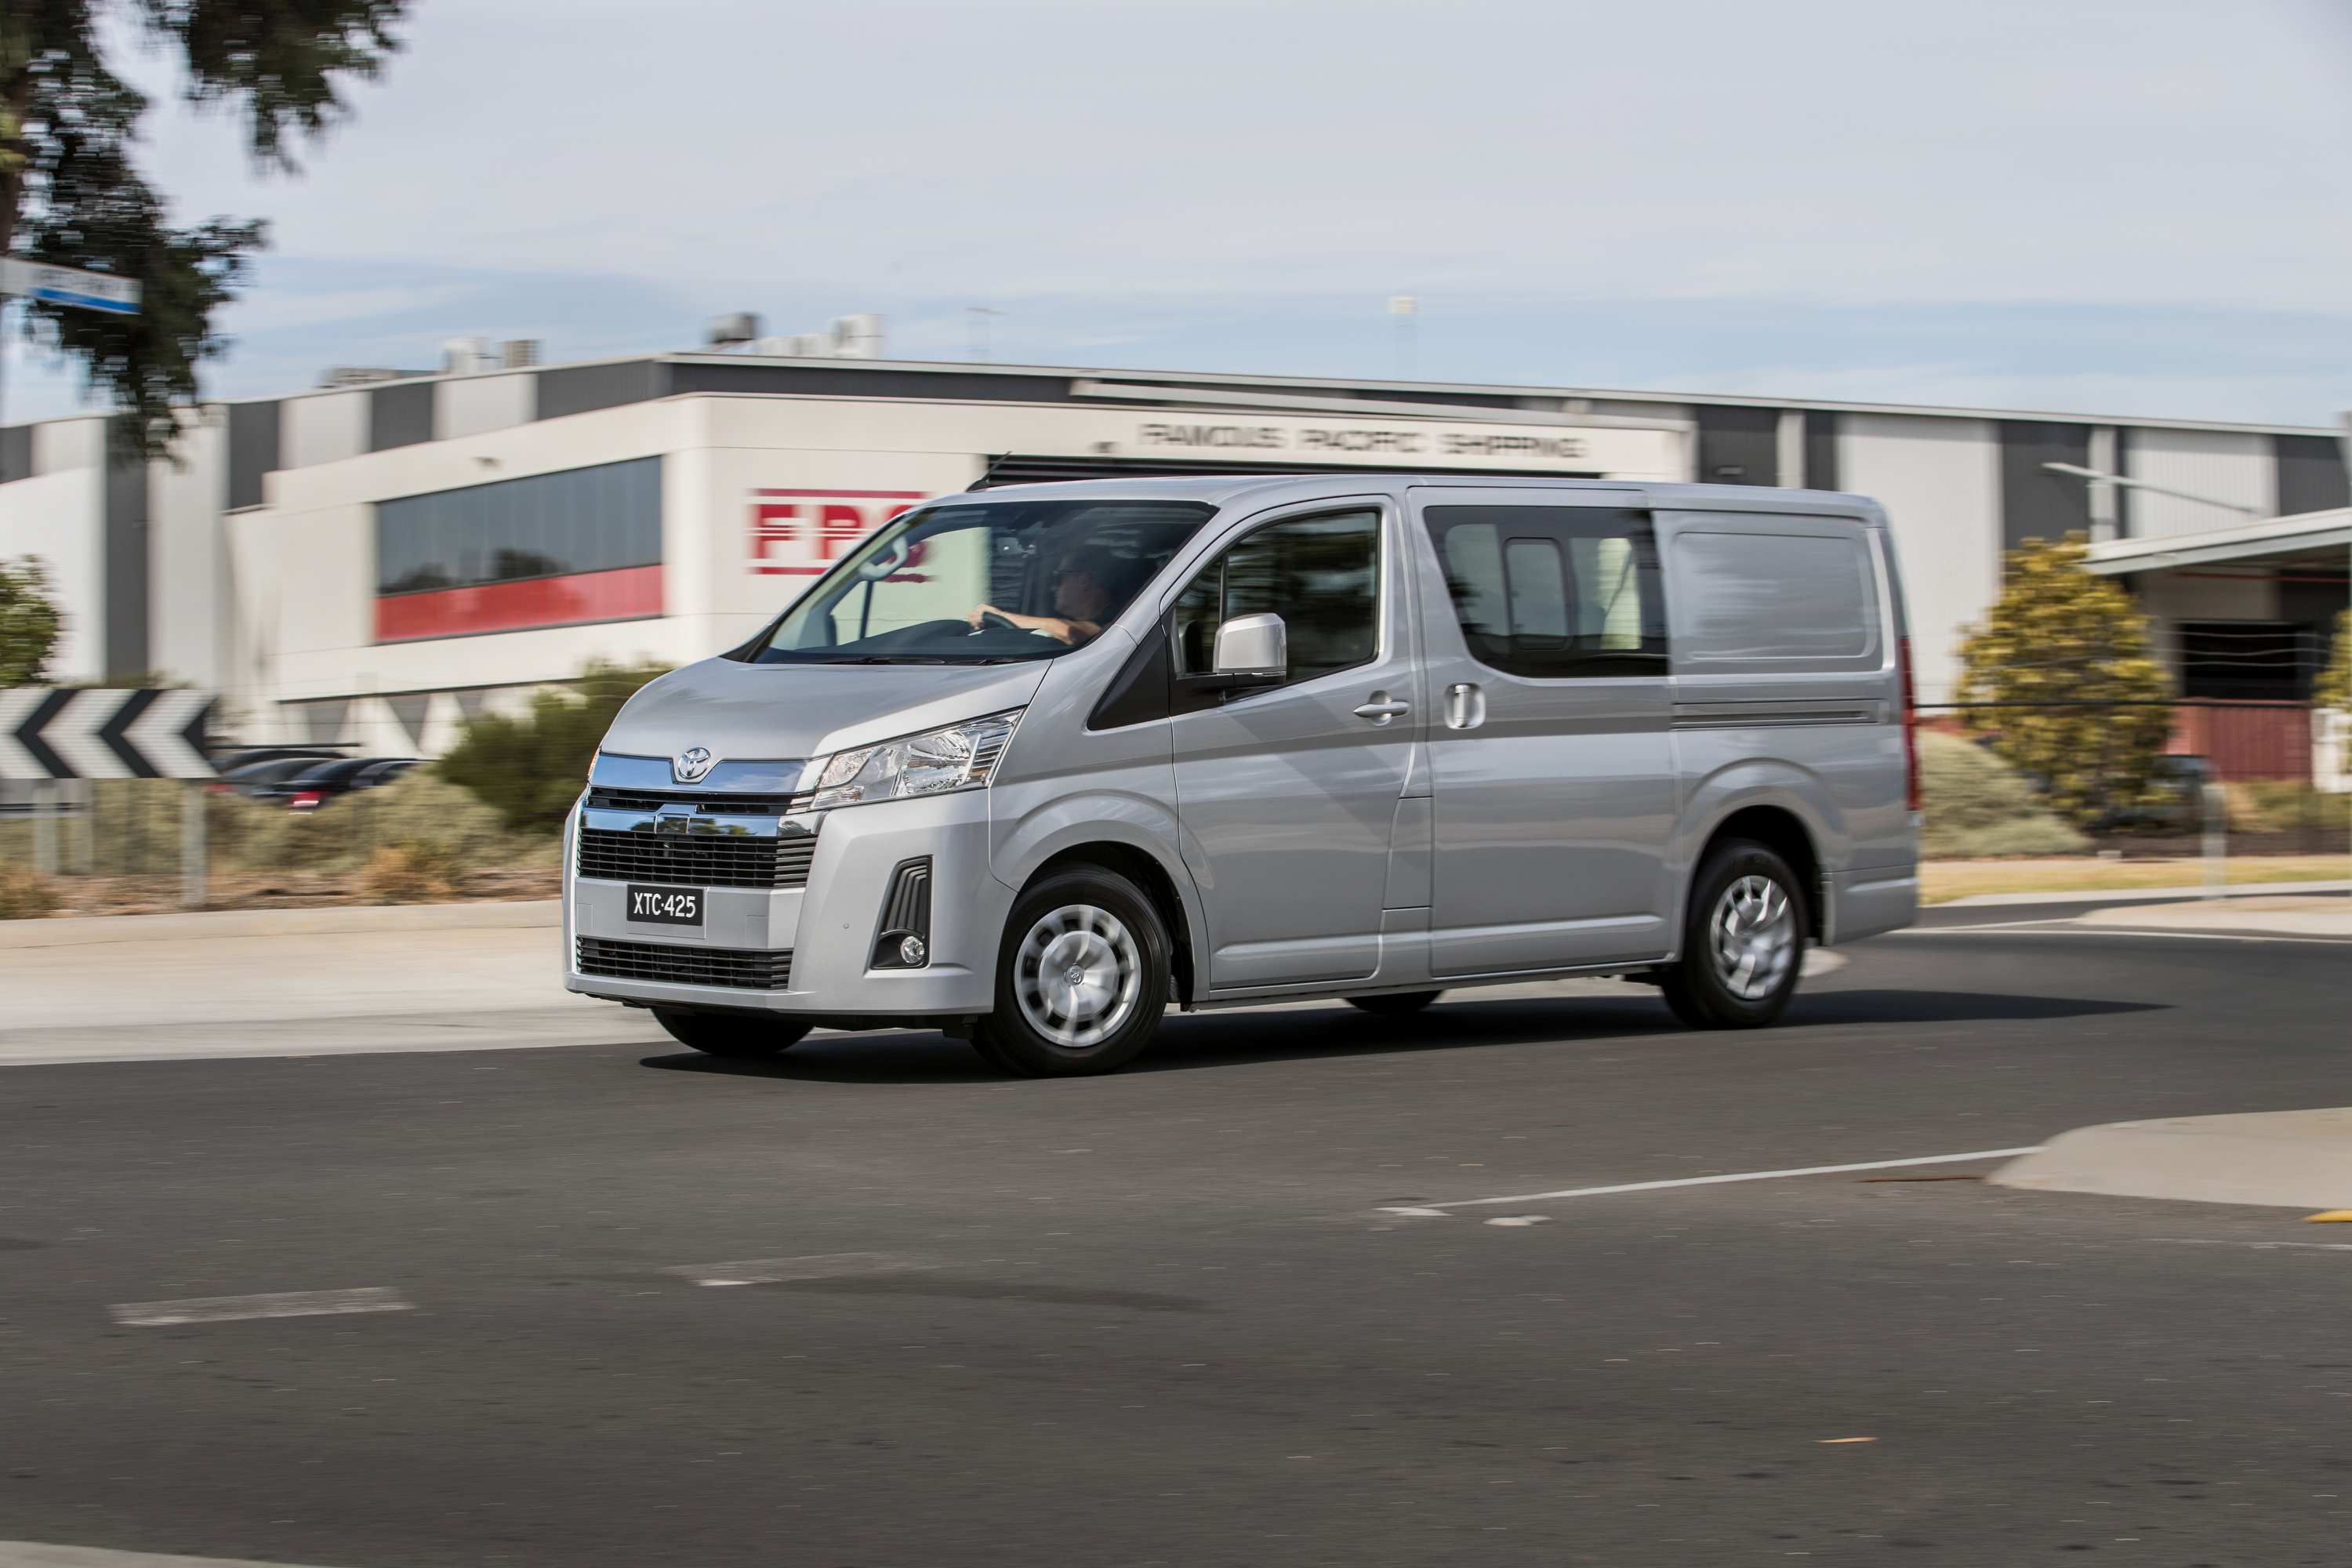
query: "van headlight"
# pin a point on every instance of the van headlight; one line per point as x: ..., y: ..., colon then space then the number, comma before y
x: 960, y: 756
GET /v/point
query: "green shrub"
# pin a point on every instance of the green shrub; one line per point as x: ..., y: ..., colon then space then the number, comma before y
x: 531, y: 770
x: 1975, y: 804
x: 25, y: 893
x: 2060, y: 635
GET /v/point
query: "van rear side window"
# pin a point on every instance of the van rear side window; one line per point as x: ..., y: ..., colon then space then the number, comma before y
x: 1772, y: 597
x: 1556, y: 592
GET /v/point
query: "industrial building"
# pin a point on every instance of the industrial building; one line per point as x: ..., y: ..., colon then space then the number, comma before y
x: 371, y: 561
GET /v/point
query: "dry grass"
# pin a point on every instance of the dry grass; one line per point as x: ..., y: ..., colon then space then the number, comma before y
x: 1943, y: 880
x: 26, y: 894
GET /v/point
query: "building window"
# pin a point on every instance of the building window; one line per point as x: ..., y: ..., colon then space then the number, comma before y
x: 551, y: 550
x: 2249, y: 660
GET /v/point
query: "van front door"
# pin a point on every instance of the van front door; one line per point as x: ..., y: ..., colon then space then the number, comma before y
x: 1287, y: 795
x: 1551, y: 756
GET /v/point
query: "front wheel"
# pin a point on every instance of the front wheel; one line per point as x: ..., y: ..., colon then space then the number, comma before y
x: 1081, y: 977
x: 1743, y: 941
x: 731, y: 1034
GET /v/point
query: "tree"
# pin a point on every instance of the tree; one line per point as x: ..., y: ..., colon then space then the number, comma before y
x: 29, y: 623
x: 2334, y: 688
x: 2070, y: 651
x: 71, y: 196
x: 531, y: 770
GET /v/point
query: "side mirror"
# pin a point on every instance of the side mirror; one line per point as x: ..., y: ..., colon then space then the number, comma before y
x: 1252, y: 650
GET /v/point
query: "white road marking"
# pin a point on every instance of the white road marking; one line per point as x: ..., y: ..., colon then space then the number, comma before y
x: 1520, y: 1219
x: 1718, y: 1181
x: 814, y: 1266
x: 2122, y: 931
x: 39, y: 1555
x: 281, y: 1304
x: 2257, y: 1246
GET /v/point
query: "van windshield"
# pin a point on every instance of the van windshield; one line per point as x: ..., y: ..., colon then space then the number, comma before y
x: 965, y: 581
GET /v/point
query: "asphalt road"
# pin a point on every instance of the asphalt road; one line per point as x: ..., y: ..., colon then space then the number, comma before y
x: 1165, y: 1318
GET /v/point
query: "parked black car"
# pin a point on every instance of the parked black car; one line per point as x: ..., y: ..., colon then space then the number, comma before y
x: 309, y: 791
x: 255, y: 779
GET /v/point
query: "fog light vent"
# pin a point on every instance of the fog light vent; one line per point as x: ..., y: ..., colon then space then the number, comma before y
x: 904, y: 939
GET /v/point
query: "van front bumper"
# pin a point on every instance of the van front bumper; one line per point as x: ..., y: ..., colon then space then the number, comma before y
x: 808, y: 949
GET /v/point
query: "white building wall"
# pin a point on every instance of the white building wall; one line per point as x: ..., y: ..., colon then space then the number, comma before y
x: 190, y: 587
x: 58, y: 515
x: 323, y: 427
x: 473, y: 404
x: 1939, y: 480
x: 2227, y: 465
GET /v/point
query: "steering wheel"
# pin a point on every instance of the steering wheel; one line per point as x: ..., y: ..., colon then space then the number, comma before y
x: 990, y: 618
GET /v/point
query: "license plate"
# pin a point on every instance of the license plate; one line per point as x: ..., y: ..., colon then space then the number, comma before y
x: 666, y: 906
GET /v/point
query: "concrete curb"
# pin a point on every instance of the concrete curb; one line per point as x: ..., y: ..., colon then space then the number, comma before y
x: 73, y: 931
x: 2253, y: 917
x: 2284, y: 1159
x: 2128, y: 895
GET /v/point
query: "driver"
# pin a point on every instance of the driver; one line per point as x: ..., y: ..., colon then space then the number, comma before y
x: 1088, y: 588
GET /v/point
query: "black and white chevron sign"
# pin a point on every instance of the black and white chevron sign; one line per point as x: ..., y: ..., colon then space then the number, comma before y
x: 56, y: 734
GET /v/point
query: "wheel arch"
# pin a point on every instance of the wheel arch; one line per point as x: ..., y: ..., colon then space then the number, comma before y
x: 1132, y: 842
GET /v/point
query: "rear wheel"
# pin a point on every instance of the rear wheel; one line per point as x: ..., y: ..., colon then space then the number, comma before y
x: 1395, y: 1004
x: 731, y: 1034
x: 1743, y: 941
x: 1081, y: 977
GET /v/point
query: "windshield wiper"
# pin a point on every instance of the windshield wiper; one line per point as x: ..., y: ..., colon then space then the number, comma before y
x: 891, y: 658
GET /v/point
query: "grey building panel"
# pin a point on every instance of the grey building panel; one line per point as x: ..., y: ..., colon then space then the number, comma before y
x: 580, y: 388
x: 125, y: 556
x: 252, y: 451
x: 834, y: 381
x: 1820, y: 449
x: 1737, y: 445
x: 2034, y: 502
x: 400, y: 413
x: 2310, y: 474
x: 16, y: 453
x: 2122, y: 492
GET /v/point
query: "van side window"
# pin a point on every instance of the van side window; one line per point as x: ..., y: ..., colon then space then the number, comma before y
x: 1320, y: 575
x: 1555, y: 593
x: 1786, y: 598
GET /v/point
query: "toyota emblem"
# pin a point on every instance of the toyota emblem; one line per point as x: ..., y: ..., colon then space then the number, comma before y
x: 689, y: 765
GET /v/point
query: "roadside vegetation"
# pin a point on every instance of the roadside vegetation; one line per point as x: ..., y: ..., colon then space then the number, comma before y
x: 530, y: 770
x: 1975, y: 804
x: 2061, y: 680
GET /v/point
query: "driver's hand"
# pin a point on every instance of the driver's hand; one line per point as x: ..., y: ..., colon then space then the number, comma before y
x: 972, y: 620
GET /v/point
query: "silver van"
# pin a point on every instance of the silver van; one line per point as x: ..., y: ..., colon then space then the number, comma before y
x: 1030, y: 763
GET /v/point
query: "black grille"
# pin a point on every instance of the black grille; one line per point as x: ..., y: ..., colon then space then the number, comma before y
x: 742, y: 968
x: 602, y: 799
x: 701, y: 859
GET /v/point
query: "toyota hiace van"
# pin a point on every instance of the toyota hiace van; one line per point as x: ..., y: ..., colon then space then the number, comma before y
x: 1031, y: 764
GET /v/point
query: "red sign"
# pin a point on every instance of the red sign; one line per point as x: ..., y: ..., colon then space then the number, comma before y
x: 810, y: 530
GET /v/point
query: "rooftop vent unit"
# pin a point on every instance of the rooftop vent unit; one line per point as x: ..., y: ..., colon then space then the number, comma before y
x: 465, y: 356
x: 518, y: 353
x: 727, y: 332
x: 847, y: 337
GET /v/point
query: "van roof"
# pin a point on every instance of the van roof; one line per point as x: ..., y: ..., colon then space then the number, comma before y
x: 1226, y: 489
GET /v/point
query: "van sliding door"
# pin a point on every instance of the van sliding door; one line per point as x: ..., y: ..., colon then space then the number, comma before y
x: 1552, y: 766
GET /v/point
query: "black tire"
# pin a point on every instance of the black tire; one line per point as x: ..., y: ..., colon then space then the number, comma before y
x: 1122, y: 1023
x: 1395, y: 1004
x: 737, y: 1037
x: 1700, y: 992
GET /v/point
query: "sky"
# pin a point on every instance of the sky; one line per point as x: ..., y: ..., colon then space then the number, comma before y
x: 2138, y: 207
